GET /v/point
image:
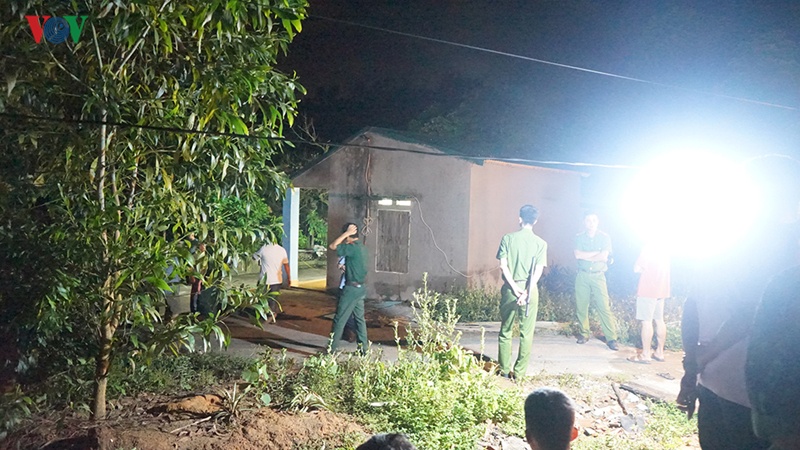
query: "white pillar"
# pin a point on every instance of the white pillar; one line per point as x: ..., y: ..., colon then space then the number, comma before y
x: 291, y: 228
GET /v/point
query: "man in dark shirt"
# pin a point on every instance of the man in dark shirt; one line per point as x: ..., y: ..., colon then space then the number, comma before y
x: 354, y: 291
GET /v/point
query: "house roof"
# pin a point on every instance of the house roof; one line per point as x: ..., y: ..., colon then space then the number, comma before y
x: 437, y: 145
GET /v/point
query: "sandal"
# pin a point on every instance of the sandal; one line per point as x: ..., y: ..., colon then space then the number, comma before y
x: 658, y: 359
x: 638, y: 359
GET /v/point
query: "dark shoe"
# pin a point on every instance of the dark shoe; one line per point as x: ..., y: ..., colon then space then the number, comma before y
x: 582, y: 340
x: 509, y: 376
x: 612, y: 345
x: 349, y: 336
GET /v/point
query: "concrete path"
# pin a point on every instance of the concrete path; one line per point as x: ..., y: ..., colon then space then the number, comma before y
x: 303, y: 330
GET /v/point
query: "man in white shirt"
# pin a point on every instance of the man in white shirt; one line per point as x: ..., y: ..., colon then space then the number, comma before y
x: 273, y: 260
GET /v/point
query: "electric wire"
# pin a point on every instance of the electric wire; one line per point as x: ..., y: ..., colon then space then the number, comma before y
x: 177, y: 130
x: 557, y: 64
x: 446, y: 258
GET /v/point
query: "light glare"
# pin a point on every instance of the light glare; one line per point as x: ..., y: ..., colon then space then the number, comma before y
x: 692, y: 202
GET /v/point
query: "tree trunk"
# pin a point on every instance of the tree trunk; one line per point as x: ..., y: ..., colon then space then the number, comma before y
x: 103, y: 363
x: 106, y: 332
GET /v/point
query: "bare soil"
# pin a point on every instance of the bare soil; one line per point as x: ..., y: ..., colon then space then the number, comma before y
x: 149, y: 429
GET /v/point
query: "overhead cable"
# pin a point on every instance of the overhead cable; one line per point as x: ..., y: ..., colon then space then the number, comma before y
x: 557, y: 64
x: 177, y: 130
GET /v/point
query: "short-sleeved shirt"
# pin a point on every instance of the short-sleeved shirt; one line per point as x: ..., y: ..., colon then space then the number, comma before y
x: 355, y: 269
x: 520, y: 249
x: 600, y: 242
x: 654, y: 281
x: 272, y: 257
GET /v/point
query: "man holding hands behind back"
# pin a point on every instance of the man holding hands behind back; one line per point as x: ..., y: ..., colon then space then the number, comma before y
x: 523, y: 256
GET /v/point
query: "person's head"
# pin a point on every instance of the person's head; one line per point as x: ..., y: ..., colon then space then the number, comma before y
x: 591, y: 221
x: 352, y: 236
x: 387, y: 441
x: 772, y: 369
x: 528, y: 215
x: 549, y: 420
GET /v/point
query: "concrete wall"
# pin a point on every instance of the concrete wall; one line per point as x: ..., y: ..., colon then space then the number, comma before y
x: 439, y: 189
x: 497, y: 192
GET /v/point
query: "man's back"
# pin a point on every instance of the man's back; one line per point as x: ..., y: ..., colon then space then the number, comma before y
x: 272, y: 257
x: 520, y: 248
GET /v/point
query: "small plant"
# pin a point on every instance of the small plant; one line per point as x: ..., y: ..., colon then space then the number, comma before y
x: 305, y: 401
x: 169, y: 373
x: 15, y: 407
x: 435, y: 317
x: 272, y: 377
x: 232, y: 403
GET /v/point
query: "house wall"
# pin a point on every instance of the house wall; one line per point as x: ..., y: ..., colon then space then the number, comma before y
x: 497, y: 192
x: 439, y: 189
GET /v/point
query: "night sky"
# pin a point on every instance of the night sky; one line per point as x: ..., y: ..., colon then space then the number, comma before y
x: 506, y: 106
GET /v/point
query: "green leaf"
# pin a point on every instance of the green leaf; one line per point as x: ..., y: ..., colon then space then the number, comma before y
x: 167, y: 179
x: 159, y: 283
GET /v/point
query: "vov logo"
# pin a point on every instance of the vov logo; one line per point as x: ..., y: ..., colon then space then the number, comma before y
x: 56, y: 29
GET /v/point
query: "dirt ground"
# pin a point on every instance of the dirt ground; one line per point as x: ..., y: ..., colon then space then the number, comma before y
x: 147, y: 429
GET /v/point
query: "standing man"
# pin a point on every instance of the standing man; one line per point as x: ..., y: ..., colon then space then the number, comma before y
x: 522, y: 256
x: 351, y: 301
x: 196, y: 273
x: 773, y: 363
x: 592, y: 250
x: 273, y: 260
x: 654, y: 286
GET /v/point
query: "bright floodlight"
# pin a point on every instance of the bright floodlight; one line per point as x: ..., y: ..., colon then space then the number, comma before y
x: 691, y: 201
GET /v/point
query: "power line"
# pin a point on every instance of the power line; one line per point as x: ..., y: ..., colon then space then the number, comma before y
x: 177, y: 130
x: 557, y: 64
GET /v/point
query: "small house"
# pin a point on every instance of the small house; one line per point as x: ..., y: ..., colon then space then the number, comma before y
x: 423, y: 208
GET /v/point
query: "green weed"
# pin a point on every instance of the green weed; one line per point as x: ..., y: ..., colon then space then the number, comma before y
x: 168, y: 373
x: 476, y: 305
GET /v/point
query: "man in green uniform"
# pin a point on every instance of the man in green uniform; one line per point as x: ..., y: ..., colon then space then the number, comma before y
x: 354, y: 291
x: 522, y: 256
x: 592, y: 250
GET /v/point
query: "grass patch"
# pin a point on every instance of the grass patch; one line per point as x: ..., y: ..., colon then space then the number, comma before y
x: 169, y: 373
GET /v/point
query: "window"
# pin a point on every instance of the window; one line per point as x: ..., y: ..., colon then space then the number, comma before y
x: 393, y: 240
